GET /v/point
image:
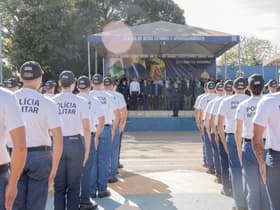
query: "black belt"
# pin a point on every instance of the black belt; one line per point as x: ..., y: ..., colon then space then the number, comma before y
x: 249, y: 140
x: 39, y: 149
x: 106, y: 125
x: 4, y: 168
x: 74, y: 137
x: 34, y: 149
x: 273, y: 151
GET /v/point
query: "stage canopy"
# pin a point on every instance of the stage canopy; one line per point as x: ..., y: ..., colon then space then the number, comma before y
x: 164, y: 39
x: 273, y: 61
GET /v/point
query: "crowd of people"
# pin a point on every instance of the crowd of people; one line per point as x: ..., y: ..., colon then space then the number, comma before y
x: 178, y: 94
x: 70, y: 141
x: 66, y: 142
x: 240, y: 135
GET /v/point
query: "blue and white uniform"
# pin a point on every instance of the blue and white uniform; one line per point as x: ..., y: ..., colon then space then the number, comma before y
x: 100, y: 172
x: 10, y: 119
x: 227, y: 109
x: 72, y: 111
x: 40, y: 115
x: 96, y: 112
x: 257, y: 197
x: 268, y: 115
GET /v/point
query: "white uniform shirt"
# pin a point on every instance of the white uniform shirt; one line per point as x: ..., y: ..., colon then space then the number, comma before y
x: 268, y: 115
x: 209, y: 106
x: 204, y: 101
x: 72, y: 110
x: 134, y: 87
x: 40, y: 114
x: 96, y: 110
x: 10, y: 118
x: 198, y: 100
x: 121, y: 99
x: 228, y: 108
x: 215, y: 107
x: 108, y: 104
x: 246, y: 111
x: 50, y: 95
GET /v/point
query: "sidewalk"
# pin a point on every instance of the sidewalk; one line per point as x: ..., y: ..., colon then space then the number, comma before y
x: 163, y: 172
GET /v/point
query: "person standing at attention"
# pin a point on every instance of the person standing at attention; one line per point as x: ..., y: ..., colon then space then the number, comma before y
x: 74, y: 113
x: 11, y: 123
x: 41, y: 116
x: 134, y: 91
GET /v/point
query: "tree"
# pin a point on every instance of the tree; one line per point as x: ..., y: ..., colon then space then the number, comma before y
x: 253, y: 51
x: 54, y: 33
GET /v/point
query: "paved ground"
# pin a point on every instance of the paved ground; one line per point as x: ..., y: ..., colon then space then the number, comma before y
x: 163, y: 172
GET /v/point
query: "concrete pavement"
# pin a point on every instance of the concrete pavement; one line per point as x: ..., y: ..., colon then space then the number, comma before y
x: 163, y: 172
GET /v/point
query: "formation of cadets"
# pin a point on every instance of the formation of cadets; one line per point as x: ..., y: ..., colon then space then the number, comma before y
x: 65, y: 142
x: 239, y: 126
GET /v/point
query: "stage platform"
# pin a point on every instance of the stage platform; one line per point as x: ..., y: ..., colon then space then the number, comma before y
x: 160, y: 121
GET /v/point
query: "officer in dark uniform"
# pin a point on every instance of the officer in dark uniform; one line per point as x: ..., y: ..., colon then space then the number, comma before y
x: 175, y: 95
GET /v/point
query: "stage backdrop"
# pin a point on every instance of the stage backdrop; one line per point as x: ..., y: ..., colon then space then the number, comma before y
x: 160, y: 68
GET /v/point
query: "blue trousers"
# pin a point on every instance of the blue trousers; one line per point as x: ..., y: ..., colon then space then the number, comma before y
x: 3, y: 183
x: 120, y: 145
x: 68, y: 178
x: 209, y: 152
x: 87, y: 173
x: 33, y: 182
x: 114, y: 155
x: 100, y: 168
x: 204, y: 150
x: 273, y: 174
x: 224, y: 168
x: 257, y: 197
x: 215, y: 152
x: 236, y: 172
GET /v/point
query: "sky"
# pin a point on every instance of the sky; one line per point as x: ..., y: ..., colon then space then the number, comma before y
x: 258, y: 18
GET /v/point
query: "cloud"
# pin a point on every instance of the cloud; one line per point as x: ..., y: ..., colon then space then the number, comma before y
x: 261, y: 6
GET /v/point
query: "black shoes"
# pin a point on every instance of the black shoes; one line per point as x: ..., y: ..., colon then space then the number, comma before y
x: 218, y: 180
x: 210, y: 172
x: 120, y: 166
x: 88, y: 206
x: 100, y: 194
x: 113, y: 180
x: 104, y: 194
x: 93, y: 195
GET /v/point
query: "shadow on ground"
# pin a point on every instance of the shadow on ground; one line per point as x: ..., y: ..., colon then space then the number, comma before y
x: 140, y: 191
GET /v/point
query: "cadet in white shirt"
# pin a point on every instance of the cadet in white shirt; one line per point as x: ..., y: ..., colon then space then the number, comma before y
x: 11, y: 84
x: 123, y: 118
x: 226, y: 114
x: 228, y: 89
x: 113, y: 167
x: 50, y: 88
x: 211, y: 131
x: 267, y: 118
x: 74, y: 113
x: 257, y: 198
x: 201, y: 116
x: 97, y: 119
x: 198, y: 124
x: 100, y: 173
x: 41, y: 116
x: 11, y: 122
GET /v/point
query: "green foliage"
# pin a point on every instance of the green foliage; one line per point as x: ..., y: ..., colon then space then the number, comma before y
x: 253, y: 51
x: 54, y: 32
x: 8, y: 72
